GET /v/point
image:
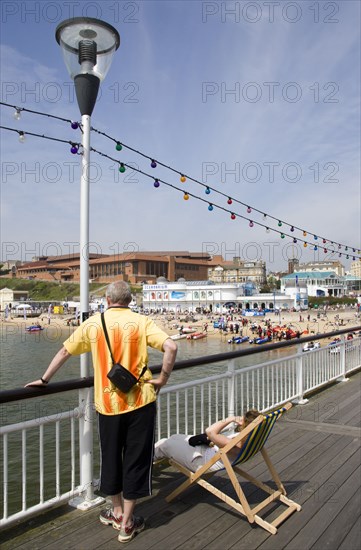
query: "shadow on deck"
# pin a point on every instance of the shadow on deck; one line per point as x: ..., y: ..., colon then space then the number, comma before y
x: 316, y: 450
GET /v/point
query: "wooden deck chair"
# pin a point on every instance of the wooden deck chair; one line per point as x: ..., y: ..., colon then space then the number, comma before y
x: 255, y: 436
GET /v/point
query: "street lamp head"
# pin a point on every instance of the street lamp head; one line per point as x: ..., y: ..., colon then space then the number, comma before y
x: 88, y: 46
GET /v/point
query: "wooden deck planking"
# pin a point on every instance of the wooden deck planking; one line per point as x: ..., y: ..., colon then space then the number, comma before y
x: 327, y: 513
x: 353, y: 537
x: 314, y: 497
x: 320, y: 470
x: 333, y: 535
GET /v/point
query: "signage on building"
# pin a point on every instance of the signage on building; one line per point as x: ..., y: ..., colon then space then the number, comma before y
x: 155, y: 287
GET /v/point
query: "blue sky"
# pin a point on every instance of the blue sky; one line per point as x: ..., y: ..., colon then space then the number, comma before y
x: 255, y: 99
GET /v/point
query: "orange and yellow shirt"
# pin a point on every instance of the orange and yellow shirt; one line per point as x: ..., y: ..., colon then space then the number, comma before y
x: 129, y: 334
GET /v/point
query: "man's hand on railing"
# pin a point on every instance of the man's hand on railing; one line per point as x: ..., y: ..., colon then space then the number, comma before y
x: 40, y: 383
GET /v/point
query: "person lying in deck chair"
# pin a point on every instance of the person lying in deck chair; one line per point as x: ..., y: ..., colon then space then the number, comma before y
x: 195, y: 451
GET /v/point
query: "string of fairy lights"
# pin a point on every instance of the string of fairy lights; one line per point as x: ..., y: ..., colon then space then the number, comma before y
x: 318, y: 241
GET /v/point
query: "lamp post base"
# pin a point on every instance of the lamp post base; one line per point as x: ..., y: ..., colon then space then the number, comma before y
x: 84, y: 504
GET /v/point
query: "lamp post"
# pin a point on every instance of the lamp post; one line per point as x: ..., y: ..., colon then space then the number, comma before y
x: 88, y: 46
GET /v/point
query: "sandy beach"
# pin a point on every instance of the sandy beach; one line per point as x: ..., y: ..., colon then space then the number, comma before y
x: 312, y: 321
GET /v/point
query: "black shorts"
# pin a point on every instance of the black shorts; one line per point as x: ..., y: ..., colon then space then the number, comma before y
x: 127, y: 446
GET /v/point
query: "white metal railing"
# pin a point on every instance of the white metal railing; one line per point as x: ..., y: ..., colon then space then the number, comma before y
x: 184, y: 408
x: 18, y: 480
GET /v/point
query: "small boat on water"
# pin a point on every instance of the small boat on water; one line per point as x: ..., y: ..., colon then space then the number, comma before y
x: 193, y: 335
x: 238, y: 340
x: 199, y: 336
x: 34, y: 328
x: 196, y: 336
x: 178, y: 336
x: 259, y: 340
x: 188, y: 330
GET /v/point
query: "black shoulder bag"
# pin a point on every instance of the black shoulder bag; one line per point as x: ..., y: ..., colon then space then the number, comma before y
x: 119, y: 375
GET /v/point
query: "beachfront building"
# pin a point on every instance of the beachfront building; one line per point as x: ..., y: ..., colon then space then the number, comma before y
x: 321, y: 266
x: 317, y: 283
x: 9, y: 297
x: 206, y: 296
x: 133, y: 267
x: 353, y: 285
x: 238, y: 271
x: 355, y: 269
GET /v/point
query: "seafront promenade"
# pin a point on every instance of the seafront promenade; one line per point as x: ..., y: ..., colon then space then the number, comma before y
x: 316, y: 450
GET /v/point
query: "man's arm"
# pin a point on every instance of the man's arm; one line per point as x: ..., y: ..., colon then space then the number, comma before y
x: 170, y: 352
x: 55, y: 364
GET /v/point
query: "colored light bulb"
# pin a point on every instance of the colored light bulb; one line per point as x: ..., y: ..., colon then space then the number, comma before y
x: 186, y: 196
x: 295, y: 241
x: 315, y: 248
x: 292, y: 228
x: 325, y: 250
x: 74, y: 125
x: 315, y: 237
x: 280, y: 224
x: 119, y: 146
x: 156, y: 183
x: 233, y: 216
x: 122, y: 168
x: 153, y: 164
x: 207, y: 191
x: 229, y: 200
x: 74, y: 149
x: 210, y: 207
x: 305, y: 233
x: 305, y: 245
x: 282, y: 235
x: 249, y: 209
x: 324, y: 241
x: 183, y: 178
x: 251, y: 224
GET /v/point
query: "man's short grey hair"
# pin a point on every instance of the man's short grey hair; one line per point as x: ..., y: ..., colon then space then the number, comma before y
x: 119, y: 293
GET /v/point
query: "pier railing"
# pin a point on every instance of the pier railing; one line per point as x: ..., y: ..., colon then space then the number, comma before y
x: 40, y: 457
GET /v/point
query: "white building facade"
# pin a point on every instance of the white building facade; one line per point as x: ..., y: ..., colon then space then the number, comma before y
x: 317, y: 283
x: 197, y: 297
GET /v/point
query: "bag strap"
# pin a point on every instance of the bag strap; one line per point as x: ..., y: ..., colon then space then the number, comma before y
x: 108, y: 344
x: 106, y: 336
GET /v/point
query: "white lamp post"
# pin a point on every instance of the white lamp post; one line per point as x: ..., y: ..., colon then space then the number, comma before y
x: 88, y: 46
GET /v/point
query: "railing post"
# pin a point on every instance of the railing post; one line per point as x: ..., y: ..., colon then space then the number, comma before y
x: 87, y: 499
x: 231, y: 388
x: 343, y: 344
x: 299, y: 377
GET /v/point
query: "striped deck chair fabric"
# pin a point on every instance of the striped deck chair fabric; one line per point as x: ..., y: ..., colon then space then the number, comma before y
x: 255, y: 436
x: 258, y: 437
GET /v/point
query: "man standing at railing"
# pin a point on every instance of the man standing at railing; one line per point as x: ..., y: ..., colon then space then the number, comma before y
x: 126, y: 420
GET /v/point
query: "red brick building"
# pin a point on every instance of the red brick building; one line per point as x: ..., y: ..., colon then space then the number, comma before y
x: 134, y: 267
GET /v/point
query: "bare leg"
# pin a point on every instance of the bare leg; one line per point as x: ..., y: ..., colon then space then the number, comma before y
x: 129, y: 506
x: 118, y: 505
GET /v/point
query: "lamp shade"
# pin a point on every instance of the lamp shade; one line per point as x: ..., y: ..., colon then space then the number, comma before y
x: 88, y: 45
